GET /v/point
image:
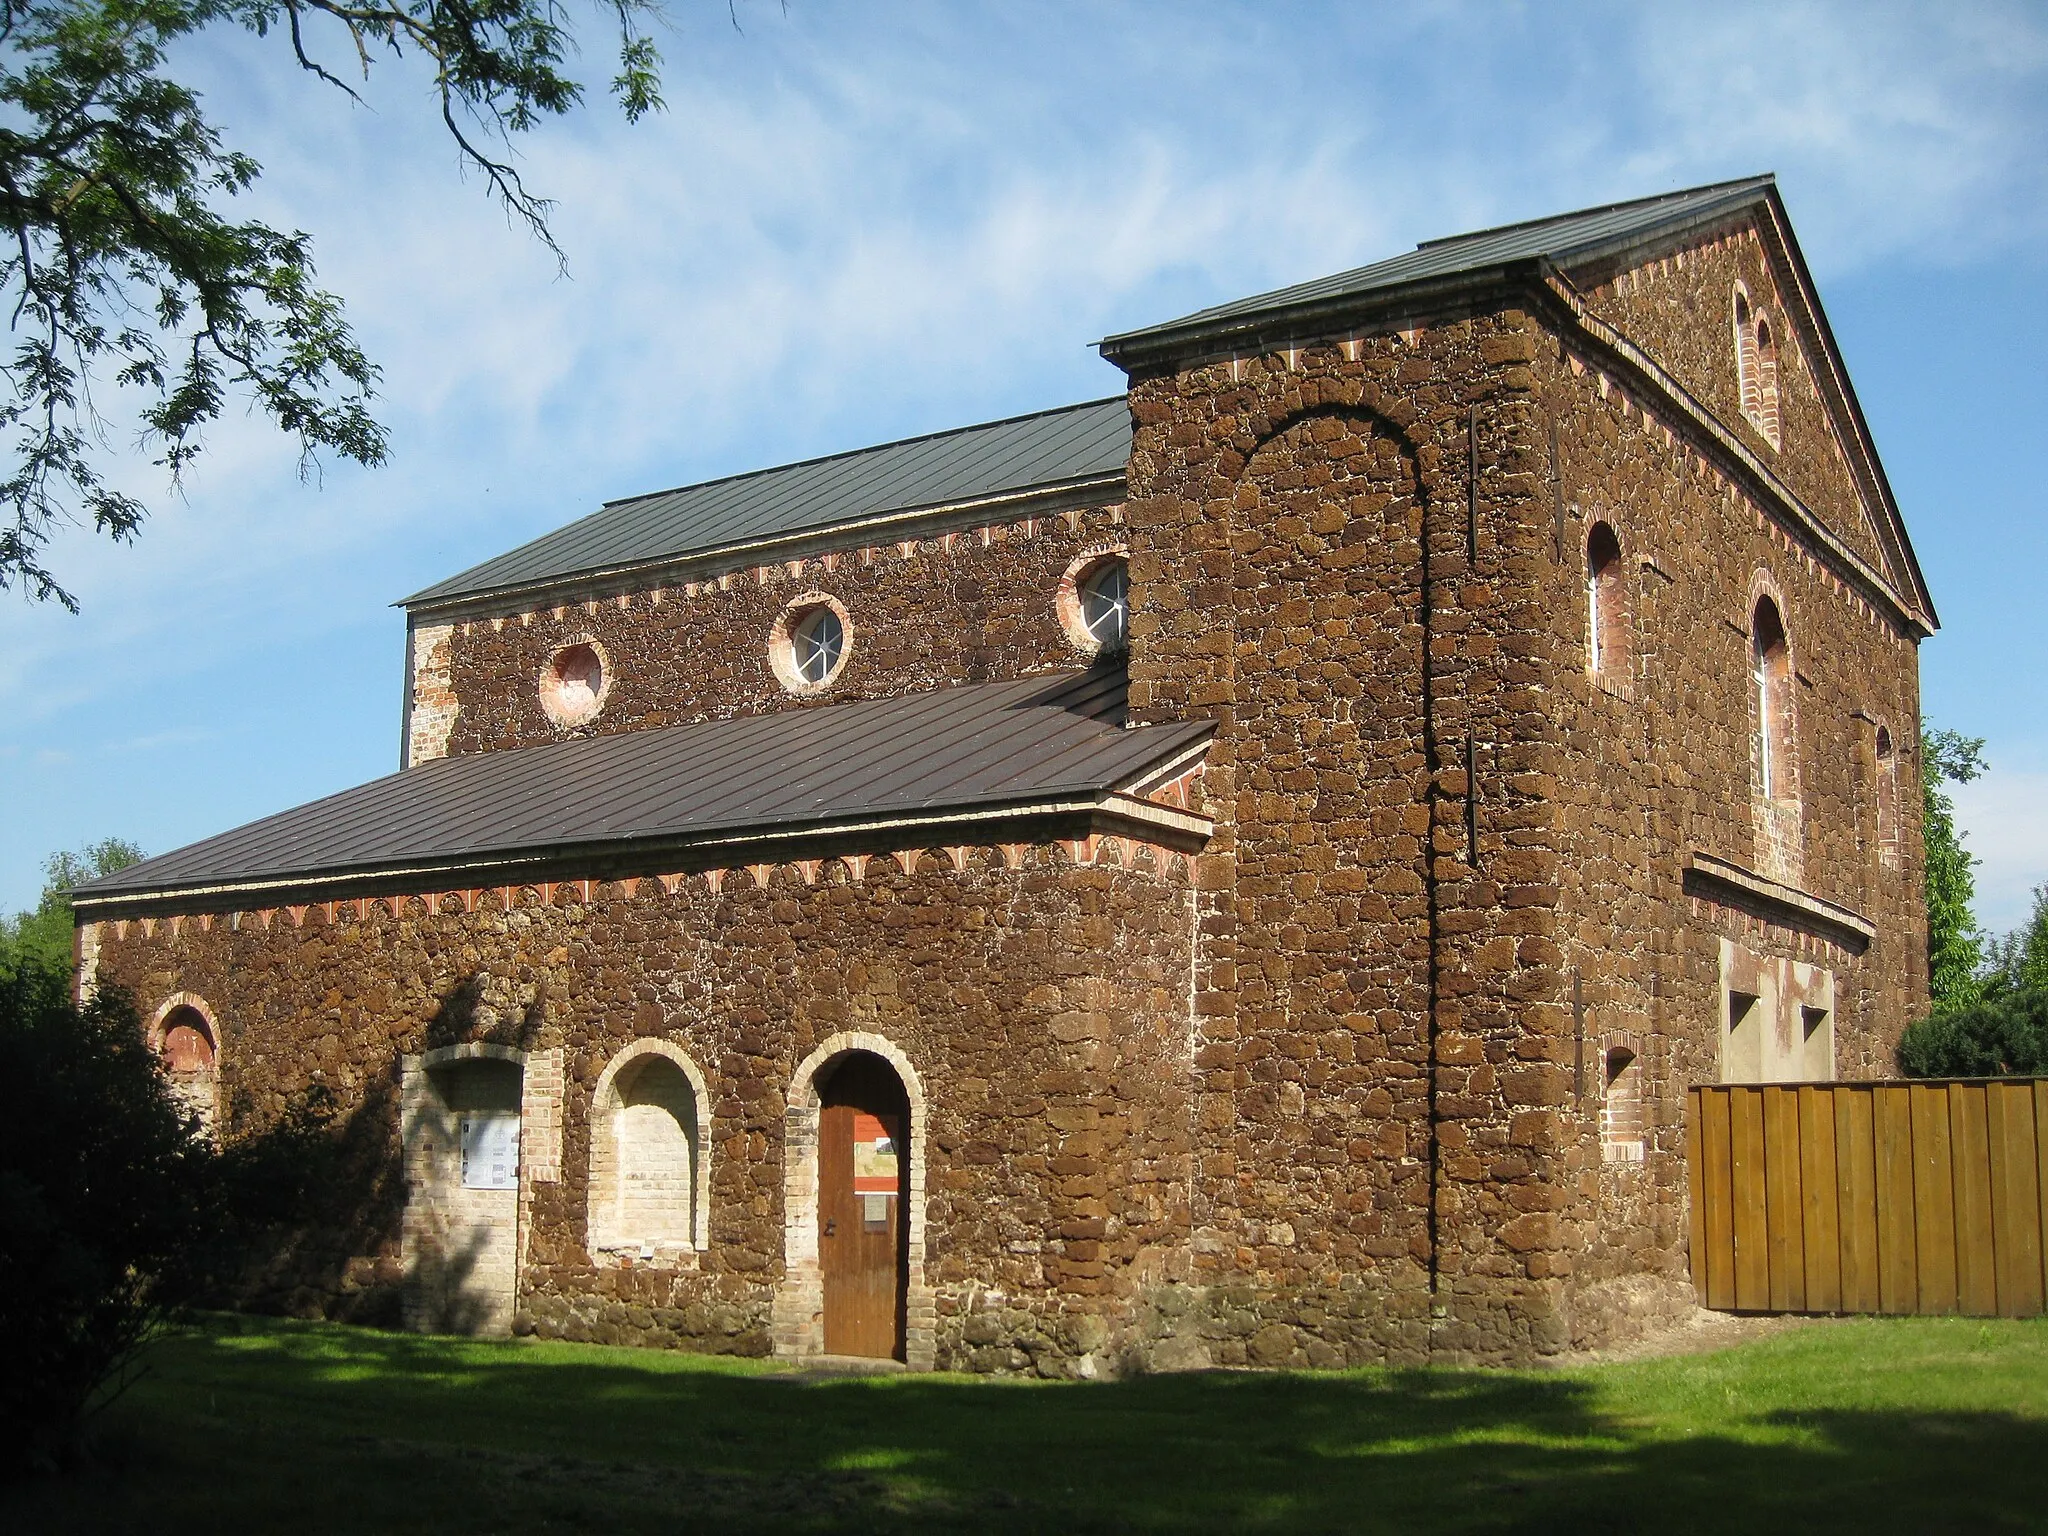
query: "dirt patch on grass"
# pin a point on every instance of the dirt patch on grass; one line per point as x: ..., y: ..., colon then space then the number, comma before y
x: 1697, y: 1332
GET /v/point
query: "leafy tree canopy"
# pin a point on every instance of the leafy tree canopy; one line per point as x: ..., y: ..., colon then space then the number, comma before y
x: 1955, y: 947
x: 120, y: 261
x: 41, y: 939
x: 2019, y: 961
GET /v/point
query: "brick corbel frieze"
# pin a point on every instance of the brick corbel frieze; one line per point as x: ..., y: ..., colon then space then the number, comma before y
x: 1767, y: 903
x: 1600, y: 345
x: 1104, y: 850
x: 658, y: 586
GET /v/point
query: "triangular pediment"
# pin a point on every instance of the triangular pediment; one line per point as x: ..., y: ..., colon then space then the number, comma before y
x: 1866, y: 515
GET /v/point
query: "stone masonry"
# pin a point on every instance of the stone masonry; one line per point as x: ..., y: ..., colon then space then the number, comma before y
x: 1330, y: 1089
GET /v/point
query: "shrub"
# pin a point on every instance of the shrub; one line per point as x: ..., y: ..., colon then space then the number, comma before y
x: 118, y: 1212
x: 2006, y: 1034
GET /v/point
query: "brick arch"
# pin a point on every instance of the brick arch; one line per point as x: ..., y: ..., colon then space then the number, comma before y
x: 170, y: 1005
x: 1887, y: 757
x: 1763, y: 584
x: 1423, y: 544
x: 198, y: 1091
x: 442, y: 1055
x: 799, y: 1307
x: 1624, y: 1129
x: 1609, y: 654
x: 1742, y: 321
x: 602, y: 1101
x: 1360, y: 410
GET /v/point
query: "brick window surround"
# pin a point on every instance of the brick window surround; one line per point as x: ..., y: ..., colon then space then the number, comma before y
x: 1067, y: 600
x: 1756, y: 366
x: 1607, y: 615
x: 782, y: 659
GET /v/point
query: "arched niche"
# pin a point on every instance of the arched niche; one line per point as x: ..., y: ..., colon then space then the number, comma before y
x: 650, y: 1178
x: 186, y: 1038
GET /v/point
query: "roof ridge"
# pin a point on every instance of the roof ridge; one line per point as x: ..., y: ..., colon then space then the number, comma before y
x: 1764, y: 179
x: 854, y: 453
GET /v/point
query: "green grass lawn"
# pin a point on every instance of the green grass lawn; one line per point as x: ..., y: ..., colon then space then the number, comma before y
x: 248, y: 1425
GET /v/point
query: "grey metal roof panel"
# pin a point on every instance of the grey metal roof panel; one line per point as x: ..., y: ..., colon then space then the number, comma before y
x: 1044, y: 450
x: 1562, y: 238
x: 797, y: 770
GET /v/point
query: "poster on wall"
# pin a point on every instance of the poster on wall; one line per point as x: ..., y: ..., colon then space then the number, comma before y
x: 490, y: 1149
x: 874, y: 1167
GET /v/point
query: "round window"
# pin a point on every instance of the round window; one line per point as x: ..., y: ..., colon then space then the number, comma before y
x: 816, y: 643
x: 573, y: 686
x: 1104, y: 597
x: 1094, y: 601
x: 809, y: 645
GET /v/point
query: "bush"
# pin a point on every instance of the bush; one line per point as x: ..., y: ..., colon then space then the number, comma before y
x: 2006, y: 1034
x: 117, y: 1211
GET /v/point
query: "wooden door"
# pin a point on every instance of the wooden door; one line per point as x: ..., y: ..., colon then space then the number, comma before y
x: 863, y: 1183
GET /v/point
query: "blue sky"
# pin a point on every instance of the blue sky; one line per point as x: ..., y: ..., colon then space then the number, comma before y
x: 858, y: 222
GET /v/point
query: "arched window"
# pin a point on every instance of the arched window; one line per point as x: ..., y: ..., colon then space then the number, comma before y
x: 187, y: 1041
x: 1756, y: 367
x: 1766, y: 380
x: 1771, y: 684
x: 1606, y: 606
x: 1887, y: 799
x: 188, y: 1046
x: 1745, y: 356
x: 646, y: 1158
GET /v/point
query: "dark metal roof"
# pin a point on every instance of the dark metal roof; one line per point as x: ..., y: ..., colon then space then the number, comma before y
x: 963, y: 749
x: 1564, y: 239
x: 1045, y: 451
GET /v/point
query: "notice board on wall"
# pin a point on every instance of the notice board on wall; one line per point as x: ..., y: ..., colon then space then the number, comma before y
x: 490, y: 1149
x: 875, y: 1171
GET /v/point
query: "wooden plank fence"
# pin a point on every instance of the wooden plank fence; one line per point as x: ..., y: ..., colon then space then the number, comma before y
x: 1926, y: 1197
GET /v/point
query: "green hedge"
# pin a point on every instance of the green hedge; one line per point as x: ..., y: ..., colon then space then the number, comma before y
x: 2002, y: 1036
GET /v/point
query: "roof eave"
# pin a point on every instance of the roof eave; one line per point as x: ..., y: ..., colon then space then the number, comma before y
x: 1168, y: 342
x: 1134, y: 351
x: 637, y: 573
x: 1105, y: 811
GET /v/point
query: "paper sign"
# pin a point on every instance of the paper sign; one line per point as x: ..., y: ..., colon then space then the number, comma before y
x: 874, y: 1156
x: 490, y: 1149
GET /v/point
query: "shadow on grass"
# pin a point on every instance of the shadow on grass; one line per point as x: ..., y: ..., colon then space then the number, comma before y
x: 259, y: 1427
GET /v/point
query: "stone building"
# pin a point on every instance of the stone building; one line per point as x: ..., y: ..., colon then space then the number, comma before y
x: 1242, y: 871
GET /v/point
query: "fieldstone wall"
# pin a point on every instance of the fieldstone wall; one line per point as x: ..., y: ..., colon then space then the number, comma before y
x: 1680, y: 308
x: 1382, y: 1052
x: 1663, y: 761
x: 1059, y: 1135
x: 979, y: 605
x: 1332, y: 1093
x: 1449, y: 871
